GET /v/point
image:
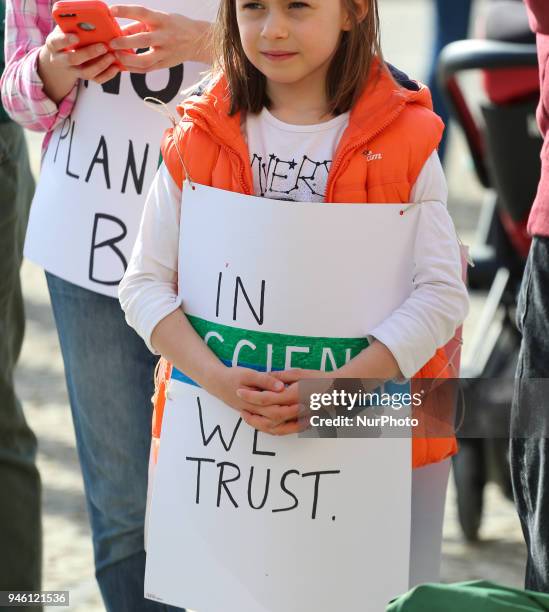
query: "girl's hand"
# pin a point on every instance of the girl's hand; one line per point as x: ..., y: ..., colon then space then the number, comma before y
x: 60, y: 69
x: 229, y: 380
x: 170, y: 38
x: 275, y: 406
x: 296, y: 374
x: 276, y: 412
x: 198, y: 361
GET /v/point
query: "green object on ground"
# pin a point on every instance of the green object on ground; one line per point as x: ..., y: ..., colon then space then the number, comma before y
x: 474, y: 596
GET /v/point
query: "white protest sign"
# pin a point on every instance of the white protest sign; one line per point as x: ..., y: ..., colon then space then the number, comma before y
x: 246, y: 522
x: 98, y: 167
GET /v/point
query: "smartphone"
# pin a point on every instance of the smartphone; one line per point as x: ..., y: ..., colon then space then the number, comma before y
x: 90, y: 20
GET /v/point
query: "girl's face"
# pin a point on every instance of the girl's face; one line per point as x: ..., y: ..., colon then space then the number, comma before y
x: 290, y: 41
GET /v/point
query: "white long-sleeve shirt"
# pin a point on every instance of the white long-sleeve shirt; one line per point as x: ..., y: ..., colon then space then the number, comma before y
x: 425, y: 321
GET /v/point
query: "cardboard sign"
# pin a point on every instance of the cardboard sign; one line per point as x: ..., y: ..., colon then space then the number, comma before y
x: 98, y: 167
x: 243, y: 521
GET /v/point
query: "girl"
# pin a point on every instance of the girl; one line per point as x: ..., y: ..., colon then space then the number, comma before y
x: 294, y: 115
x: 43, y: 89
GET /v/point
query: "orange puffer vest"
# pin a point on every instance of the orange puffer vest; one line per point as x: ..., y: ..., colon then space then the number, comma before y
x: 391, y: 133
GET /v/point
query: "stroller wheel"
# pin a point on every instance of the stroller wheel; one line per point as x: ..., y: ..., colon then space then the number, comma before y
x: 470, y: 478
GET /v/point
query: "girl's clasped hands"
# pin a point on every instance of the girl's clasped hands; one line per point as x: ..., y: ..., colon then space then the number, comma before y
x: 268, y: 402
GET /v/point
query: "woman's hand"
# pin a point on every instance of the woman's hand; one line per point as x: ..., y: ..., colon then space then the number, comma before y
x: 60, y: 69
x: 170, y: 38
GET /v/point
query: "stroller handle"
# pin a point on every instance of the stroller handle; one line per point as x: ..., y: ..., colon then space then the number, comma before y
x: 466, y: 55
x: 484, y: 54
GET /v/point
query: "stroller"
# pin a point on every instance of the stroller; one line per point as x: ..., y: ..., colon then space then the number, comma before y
x: 505, y: 146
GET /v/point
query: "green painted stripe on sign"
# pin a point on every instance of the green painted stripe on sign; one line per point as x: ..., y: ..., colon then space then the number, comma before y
x: 265, y: 350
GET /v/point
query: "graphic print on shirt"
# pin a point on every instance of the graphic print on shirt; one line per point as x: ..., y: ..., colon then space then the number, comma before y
x: 297, y: 180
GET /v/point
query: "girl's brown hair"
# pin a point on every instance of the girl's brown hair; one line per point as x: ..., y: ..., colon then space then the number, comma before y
x: 347, y: 73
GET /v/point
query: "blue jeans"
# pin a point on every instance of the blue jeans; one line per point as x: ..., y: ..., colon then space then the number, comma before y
x: 451, y: 24
x: 109, y: 374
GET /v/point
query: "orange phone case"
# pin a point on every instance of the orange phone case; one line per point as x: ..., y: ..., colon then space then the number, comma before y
x: 90, y: 20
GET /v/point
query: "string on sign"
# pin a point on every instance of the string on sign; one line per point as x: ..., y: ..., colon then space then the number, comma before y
x: 162, y: 108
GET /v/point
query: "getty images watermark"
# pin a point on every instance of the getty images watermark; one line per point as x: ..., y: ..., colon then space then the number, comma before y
x: 336, y: 408
x: 355, y: 404
x: 500, y: 407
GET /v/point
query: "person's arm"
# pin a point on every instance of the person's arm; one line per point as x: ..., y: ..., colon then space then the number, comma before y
x: 149, y: 297
x: 28, y: 23
x: 148, y: 291
x: 538, y: 13
x: 171, y: 39
x: 538, y: 17
x: 39, y: 83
